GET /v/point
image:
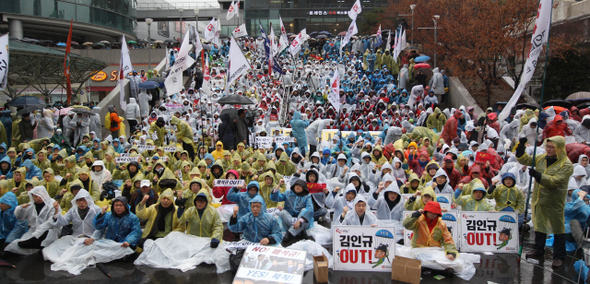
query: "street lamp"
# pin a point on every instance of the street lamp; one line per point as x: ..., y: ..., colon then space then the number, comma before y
x: 435, y: 19
x: 149, y: 23
x: 181, y: 10
x: 412, y: 7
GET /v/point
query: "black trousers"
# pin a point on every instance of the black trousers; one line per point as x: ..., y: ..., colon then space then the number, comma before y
x: 558, y: 244
x: 33, y: 243
x: 132, y: 125
x: 312, y: 149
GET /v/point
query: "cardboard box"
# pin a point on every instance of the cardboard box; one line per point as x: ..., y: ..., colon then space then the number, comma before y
x: 320, y: 268
x: 406, y: 270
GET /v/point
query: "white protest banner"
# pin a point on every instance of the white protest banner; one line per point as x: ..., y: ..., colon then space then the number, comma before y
x: 352, y: 30
x: 281, y: 139
x: 495, y: 232
x: 334, y: 95
x: 3, y: 61
x: 125, y: 160
x: 263, y: 142
x: 355, y: 10
x: 283, y: 39
x: 257, y: 265
x: 240, y: 244
x: 360, y: 248
x: 146, y: 147
x: 444, y: 200
x: 231, y: 11
x: 171, y: 149
x: 327, y: 134
x: 273, y: 210
x: 228, y: 182
x: 451, y: 219
x: 238, y: 64
x: 183, y: 61
x: 297, y: 42
x: 124, y: 155
x: 165, y: 158
x: 240, y: 31
x: 124, y: 68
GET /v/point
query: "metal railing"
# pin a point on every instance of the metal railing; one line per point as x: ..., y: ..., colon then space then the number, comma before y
x: 176, y: 6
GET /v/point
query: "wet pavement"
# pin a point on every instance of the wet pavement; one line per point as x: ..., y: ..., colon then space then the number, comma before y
x: 497, y: 268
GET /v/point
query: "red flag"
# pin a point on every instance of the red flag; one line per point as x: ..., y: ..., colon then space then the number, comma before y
x: 67, y: 65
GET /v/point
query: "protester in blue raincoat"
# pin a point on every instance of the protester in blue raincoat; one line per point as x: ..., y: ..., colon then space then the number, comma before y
x: 243, y: 198
x: 119, y: 225
x: 298, y: 129
x: 8, y: 203
x: 257, y: 226
x: 3, y: 149
x: 298, y: 205
x: 28, y: 155
x: 6, y: 168
x: 32, y: 170
x: 578, y: 210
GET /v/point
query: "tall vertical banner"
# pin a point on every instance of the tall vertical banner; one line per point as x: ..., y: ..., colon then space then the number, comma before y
x: 233, y: 10
x: 355, y: 10
x: 360, y: 248
x: 210, y: 30
x: 378, y: 38
x: 388, y: 46
x: 539, y: 39
x: 3, y: 61
x: 297, y: 42
x: 334, y: 95
x: 352, y: 30
x: 67, y: 65
x: 183, y: 61
x: 489, y: 232
x: 195, y: 39
x: 273, y: 42
x: 237, y: 66
x: 267, y: 48
x: 124, y: 68
x: 283, y: 39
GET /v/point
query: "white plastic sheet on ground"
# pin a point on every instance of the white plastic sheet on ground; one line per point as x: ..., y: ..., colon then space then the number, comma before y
x: 435, y: 258
x: 70, y: 254
x: 321, y: 234
x: 183, y: 252
x: 312, y: 249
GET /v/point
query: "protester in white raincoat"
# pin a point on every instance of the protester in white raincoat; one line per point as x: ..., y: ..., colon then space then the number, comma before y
x: 358, y: 215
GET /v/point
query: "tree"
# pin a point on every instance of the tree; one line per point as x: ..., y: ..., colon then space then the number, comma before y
x: 566, y: 73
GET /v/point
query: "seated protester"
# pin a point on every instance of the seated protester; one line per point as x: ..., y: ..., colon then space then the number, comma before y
x: 186, y: 199
x: 576, y: 215
x: 18, y: 184
x: 412, y: 185
x: 429, y: 230
x: 467, y: 182
x: 508, y: 197
x: 222, y: 191
x: 246, y: 172
x: 377, y: 156
x: 215, y: 172
x: 5, y: 168
x: 358, y: 217
x: 242, y: 198
x: 99, y: 174
x: 389, y: 205
x: 202, y: 220
x: 162, y: 217
x: 130, y: 186
x: 338, y: 203
x: 285, y: 167
x: 440, y: 183
x: 119, y: 224
x: 81, y: 215
x: 318, y: 199
x: 582, y: 161
x: 257, y: 226
x: 50, y: 183
x: 88, y: 182
x: 139, y: 196
x: 366, y: 165
x: 66, y: 196
x: 418, y: 162
x: 297, y: 159
x: 337, y: 170
x: 429, y: 173
x: 378, y: 176
x: 24, y: 196
x: 163, y: 178
x: 8, y: 204
x: 126, y: 172
x: 425, y: 195
x: 38, y: 212
x: 360, y: 186
x: 398, y: 172
x: 579, y: 176
x: 267, y: 186
x: 315, y: 160
x: 298, y: 204
x: 475, y: 202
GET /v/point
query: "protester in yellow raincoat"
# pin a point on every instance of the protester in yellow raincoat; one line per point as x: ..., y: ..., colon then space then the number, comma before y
x: 202, y: 220
x: 425, y: 195
x: 474, y: 202
x: 161, y: 217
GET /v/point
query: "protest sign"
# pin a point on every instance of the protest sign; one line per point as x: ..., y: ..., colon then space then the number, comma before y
x: 451, y: 219
x: 271, y: 265
x: 146, y: 147
x: 124, y: 155
x: 170, y: 149
x: 315, y: 187
x: 361, y: 248
x: 484, y: 157
x: 489, y: 232
x: 444, y: 200
x: 240, y: 244
x: 228, y: 182
x: 125, y: 160
x: 263, y: 142
x: 282, y: 139
x: 327, y: 134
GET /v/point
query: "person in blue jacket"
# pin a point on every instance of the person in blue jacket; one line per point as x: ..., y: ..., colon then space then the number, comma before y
x: 257, y: 226
x: 3, y: 150
x: 242, y: 199
x: 298, y: 204
x: 32, y: 170
x: 8, y: 203
x: 298, y: 129
x: 119, y: 225
x: 6, y: 168
x: 576, y: 215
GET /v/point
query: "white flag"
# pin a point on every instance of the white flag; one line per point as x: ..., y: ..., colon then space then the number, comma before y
x: 216, y: 39
x: 240, y: 31
x: 183, y: 61
x: 124, y: 68
x: 237, y: 66
x: 352, y: 30
x: 297, y: 42
x: 274, y: 46
x: 196, y: 39
x: 539, y: 39
x: 210, y: 30
x: 231, y: 11
x: 403, y: 42
x: 334, y: 95
x: 355, y: 10
x: 283, y: 39
x: 388, y: 46
x: 3, y: 61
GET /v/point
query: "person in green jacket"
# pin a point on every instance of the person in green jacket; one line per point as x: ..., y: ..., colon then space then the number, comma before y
x: 475, y: 202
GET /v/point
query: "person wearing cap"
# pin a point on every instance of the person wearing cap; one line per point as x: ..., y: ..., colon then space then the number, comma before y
x: 145, y: 189
x: 162, y: 217
x: 429, y: 230
x: 119, y: 224
x: 202, y: 220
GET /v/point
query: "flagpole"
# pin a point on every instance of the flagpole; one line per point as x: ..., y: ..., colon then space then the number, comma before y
x: 526, y: 208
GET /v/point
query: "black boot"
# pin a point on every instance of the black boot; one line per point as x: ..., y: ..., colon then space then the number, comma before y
x: 305, y: 236
x: 288, y: 239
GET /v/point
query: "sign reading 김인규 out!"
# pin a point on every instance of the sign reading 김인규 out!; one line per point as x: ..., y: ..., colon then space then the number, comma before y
x: 271, y: 265
x: 489, y: 232
x: 361, y: 248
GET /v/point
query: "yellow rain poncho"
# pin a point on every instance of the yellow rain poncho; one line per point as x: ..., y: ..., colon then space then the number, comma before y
x: 419, y: 203
x: 469, y: 203
x: 151, y: 214
x: 207, y: 224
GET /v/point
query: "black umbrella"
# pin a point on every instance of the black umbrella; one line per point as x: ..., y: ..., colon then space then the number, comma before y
x: 561, y: 103
x: 103, y: 269
x: 29, y: 109
x: 235, y: 100
x: 148, y: 85
x: 26, y: 101
x: 4, y: 263
x: 583, y: 105
x: 526, y: 105
x: 321, y: 36
x: 82, y: 110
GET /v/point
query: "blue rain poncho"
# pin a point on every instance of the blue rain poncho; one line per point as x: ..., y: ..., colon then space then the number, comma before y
x: 256, y: 228
x: 7, y: 218
x: 124, y: 228
x: 242, y: 199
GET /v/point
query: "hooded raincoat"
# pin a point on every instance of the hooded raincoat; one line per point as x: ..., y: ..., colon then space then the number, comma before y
x: 256, y: 228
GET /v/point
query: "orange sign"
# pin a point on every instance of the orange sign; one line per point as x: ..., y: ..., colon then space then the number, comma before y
x: 100, y: 76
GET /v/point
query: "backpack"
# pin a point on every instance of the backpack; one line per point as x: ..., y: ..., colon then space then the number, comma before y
x: 107, y: 121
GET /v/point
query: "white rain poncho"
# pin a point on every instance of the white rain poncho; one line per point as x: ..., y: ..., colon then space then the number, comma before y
x: 38, y: 223
x: 80, y: 227
x: 352, y: 218
x: 447, y: 189
x: 383, y: 211
x: 338, y: 202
